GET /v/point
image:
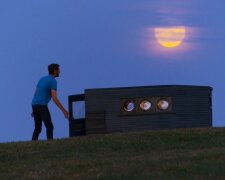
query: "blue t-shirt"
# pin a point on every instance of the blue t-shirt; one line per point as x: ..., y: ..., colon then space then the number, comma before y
x: 43, y: 95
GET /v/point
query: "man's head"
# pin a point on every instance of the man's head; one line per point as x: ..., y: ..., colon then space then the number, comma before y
x: 54, y: 70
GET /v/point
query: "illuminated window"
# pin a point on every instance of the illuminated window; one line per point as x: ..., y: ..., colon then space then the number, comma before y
x: 78, y: 109
x: 145, y: 105
x: 129, y: 106
x: 163, y: 104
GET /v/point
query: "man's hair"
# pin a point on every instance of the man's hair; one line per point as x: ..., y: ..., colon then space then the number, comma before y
x: 52, y: 67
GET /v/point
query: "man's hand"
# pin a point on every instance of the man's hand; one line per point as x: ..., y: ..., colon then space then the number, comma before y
x: 66, y: 114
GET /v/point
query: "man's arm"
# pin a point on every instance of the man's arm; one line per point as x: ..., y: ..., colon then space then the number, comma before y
x: 58, y: 103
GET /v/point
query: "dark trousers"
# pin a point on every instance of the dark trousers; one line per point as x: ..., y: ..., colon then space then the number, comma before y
x: 41, y: 113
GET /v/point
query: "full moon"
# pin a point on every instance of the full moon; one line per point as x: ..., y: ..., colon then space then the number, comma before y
x: 170, y: 37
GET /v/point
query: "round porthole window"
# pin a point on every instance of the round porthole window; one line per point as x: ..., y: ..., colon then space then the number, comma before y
x: 163, y: 104
x: 129, y: 106
x: 145, y: 105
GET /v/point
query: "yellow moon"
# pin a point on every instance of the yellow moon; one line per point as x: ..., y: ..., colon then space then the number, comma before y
x: 170, y: 37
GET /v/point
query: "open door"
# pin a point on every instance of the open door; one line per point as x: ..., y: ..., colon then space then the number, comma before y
x: 77, y: 115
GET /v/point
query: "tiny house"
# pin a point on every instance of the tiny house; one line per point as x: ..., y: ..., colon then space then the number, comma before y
x: 124, y: 109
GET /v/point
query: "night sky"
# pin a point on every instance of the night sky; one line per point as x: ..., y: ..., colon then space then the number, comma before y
x: 100, y: 43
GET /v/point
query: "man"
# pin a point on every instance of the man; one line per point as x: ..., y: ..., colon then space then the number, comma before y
x: 46, y: 89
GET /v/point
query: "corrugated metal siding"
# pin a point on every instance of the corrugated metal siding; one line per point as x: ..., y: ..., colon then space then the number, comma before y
x: 191, y: 107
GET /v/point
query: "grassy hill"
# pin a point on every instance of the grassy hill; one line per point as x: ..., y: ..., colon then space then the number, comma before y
x: 176, y: 154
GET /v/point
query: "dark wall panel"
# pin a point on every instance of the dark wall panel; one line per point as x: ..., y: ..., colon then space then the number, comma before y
x: 191, y: 107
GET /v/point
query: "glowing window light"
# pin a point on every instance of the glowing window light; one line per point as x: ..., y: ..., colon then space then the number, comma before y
x: 145, y: 105
x: 163, y: 104
x: 129, y: 106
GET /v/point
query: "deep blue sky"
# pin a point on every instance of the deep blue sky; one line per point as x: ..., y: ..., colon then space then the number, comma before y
x: 102, y: 43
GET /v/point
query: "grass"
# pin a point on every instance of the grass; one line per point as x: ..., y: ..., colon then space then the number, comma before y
x: 170, y: 154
